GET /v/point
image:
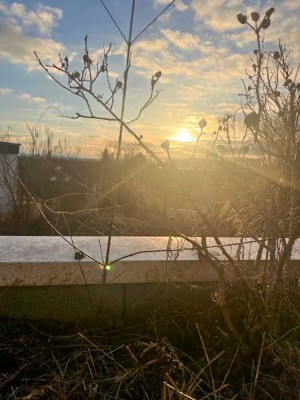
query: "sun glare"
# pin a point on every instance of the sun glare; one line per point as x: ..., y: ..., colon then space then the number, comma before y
x: 183, y: 136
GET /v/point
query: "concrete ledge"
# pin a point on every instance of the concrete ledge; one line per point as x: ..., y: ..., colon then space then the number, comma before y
x: 50, y: 261
x: 41, y: 278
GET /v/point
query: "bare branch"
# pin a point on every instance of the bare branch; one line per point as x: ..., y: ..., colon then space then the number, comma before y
x: 151, y: 98
x: 114, y: 21
x: 152, y: 22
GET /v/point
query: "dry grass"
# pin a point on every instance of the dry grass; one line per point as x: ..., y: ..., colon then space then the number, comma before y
x: 172, y: 356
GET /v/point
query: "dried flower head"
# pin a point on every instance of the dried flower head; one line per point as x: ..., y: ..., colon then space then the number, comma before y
x: 241, y: 18
x: 255, y: 16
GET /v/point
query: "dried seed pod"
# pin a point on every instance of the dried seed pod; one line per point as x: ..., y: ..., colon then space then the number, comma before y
x: 241, y: 18
x: 66, y: 63
x: 287, y: 82
x: 166, y: 145
x: 119, y: 85
x: 75, y: 75
x: 255, y: 16
x: 255, y: 51
x: 155, y: 78
x: 158, y: 74
x: 269, y: 12
x: 86, y: 60
x: 202, y: 123
x: 266, y: 22
x: 276, y: 55
x: 79, y: 255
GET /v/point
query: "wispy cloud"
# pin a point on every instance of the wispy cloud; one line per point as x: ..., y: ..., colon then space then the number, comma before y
x: 151, y: 45
x: 217, y: 66
x: 43, y: 18
x: 218, y: 15
x: 22, y: 96
x: 5, y: 91
x: 146, y: 46
x: 179, y: 4
x: 181, y: 40
x: 32, y: 99
x: 18, y: 48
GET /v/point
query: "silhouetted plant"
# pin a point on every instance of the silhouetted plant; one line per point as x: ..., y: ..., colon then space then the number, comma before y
x: 271, y: 117
x: 272, y: 112
x: 251, y: 320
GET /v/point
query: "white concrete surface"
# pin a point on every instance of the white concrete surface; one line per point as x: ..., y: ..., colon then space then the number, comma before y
x: 50, y: 260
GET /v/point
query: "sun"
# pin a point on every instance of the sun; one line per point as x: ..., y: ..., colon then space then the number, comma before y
x: 183, y: 136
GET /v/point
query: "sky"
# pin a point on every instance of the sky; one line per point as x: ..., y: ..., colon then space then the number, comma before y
x: 198, y: 45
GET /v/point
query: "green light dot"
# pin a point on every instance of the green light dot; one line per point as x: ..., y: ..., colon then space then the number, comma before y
x: 107, y: 267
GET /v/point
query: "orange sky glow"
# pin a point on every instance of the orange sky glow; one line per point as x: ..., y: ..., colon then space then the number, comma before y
x: 198, y: 45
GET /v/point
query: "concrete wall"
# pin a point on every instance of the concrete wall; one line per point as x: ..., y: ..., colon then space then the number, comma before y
x: 41, y: 278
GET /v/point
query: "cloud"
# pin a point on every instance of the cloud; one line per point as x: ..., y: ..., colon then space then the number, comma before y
x: 220, y: 66
x: 284, y: 26
x: 145, y: 46
x: 226, y: 107
x: 23, y: 96
x: 152, y: 45
x: 18, y: 48
x: 5, y: 91
x: 32, y: 99
x: 182, y: 40
x: 291, y: 5
x: 242, y: 39
x: 218, y: 15
x: 179, y: 4
x: 43, y: 18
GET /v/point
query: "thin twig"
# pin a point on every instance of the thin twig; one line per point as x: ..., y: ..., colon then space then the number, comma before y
x: 186, y: 396
x: 258, y: 365
x: 207, y: 360
x: 114, y: 21
x: 152, y: 22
